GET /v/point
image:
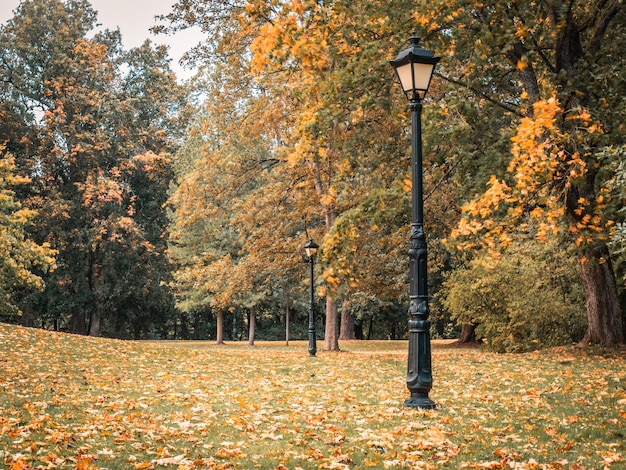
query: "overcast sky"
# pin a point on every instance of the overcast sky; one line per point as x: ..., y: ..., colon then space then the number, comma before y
x: 134, y: 18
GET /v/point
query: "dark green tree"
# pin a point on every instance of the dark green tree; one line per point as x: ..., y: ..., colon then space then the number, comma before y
x: 95, y: 127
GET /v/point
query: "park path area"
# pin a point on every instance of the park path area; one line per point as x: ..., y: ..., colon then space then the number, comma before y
x: 77, y: 402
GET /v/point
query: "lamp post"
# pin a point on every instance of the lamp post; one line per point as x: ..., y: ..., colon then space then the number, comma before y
x: 414, y: 68
x: 311, y: 248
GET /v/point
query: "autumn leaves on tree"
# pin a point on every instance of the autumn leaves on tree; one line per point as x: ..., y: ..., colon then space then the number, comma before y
x: 526, y: 96
x: 90, y: 125
x: 297, y: 117
x: 558, y: 176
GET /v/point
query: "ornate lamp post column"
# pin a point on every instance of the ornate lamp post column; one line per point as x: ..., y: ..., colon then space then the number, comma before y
x: 311, y: 248
x: 414, y: 68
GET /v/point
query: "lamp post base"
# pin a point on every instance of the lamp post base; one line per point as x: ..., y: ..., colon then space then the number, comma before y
x: 421, y: 402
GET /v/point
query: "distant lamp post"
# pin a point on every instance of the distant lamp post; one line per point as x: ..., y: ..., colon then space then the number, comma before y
x: 311, y: 248
x: 414, y: 68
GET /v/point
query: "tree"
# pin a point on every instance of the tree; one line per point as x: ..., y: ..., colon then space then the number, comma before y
x: 98, y: 123
x: 319, y: 128
x: 551, y: 67
x: 209, y: 236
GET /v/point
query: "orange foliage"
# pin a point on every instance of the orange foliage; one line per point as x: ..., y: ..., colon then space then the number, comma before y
x: 539, y: 163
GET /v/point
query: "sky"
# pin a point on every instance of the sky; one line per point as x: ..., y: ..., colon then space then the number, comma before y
x: 134, y: 19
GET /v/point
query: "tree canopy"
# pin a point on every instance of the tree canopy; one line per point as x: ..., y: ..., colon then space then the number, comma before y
x: 519, y: 134
x: 168, y: 203
x: 92, y: 126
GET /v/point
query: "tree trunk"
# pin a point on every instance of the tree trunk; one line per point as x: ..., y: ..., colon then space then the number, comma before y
x: 251, y: 326
x: 96, y: 286
x: 468, y: 334
x: 196, y: 325
x: 347, y: 323
x: 78, y: 323
x: 358, y: 329
x: 94, y: 321
x: 596, y: 270
x: 604, y: 314
x: 331, y: 342
x: 287, y: 315
x: 220, y: 327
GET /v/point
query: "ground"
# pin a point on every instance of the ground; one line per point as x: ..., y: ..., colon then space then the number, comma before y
x: 75, y: 402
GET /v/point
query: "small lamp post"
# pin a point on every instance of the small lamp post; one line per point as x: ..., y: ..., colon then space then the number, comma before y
x: 414, y: 68
x: 311, y: 248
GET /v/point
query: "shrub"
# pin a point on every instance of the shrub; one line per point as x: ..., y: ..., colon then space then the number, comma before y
x: 527, y: 298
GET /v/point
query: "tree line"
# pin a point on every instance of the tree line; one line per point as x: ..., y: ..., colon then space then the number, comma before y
x: 134, y: 206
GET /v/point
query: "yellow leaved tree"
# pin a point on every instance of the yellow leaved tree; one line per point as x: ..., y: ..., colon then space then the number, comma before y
x: 21, y: 257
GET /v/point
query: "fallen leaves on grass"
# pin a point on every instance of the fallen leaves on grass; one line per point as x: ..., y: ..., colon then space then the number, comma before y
x: 77, y: 402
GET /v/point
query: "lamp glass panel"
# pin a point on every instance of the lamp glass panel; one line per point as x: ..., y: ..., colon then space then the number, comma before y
x: 422, y: 74
x: 405, y: 76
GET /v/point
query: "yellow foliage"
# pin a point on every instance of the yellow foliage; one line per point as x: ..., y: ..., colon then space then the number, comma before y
x: 538, y: 161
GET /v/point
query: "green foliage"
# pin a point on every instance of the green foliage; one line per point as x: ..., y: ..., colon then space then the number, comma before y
x: 528, y: 297
x: 92, y: 126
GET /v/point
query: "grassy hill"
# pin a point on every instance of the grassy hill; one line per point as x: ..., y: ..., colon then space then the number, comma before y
x: 76, y: 402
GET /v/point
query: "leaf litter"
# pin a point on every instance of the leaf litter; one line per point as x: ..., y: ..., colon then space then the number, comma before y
x: 77, y: 402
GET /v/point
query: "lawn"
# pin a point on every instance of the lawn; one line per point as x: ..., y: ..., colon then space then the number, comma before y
x: 77, y: 402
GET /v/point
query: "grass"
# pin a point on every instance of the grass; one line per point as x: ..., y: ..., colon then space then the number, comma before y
x: 77, y: 402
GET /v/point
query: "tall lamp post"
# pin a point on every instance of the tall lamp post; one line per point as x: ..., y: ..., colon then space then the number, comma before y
x: 311, y: 248
x: 414, y: 68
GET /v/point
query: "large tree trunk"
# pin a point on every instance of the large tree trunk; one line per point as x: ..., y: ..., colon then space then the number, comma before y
x: 220, y: 327
x: 331, y: 341
x: 597, y: 274
x: 468, y: 334
x: 346, y: 331
x: 604, y: 314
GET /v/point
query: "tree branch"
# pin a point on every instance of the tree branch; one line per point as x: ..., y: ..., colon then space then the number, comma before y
x: 504, y: 106
x: 602, y: 26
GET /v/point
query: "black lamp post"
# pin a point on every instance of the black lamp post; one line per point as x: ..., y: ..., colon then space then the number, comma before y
x: 311, y: 248
x: 414, y: 68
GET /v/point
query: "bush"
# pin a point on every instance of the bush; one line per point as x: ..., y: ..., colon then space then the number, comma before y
x: 528, y: 298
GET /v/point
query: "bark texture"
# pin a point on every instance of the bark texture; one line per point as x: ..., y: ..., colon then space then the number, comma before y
x: 468, y: 334
x: 331, y: 341
x: 346, y: 331
x: 220, y: 327
x: 604, y: 315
